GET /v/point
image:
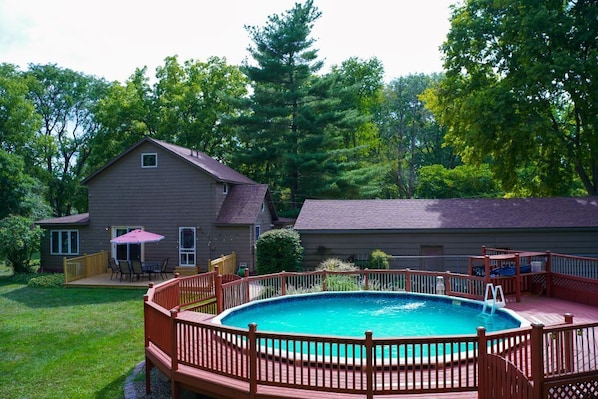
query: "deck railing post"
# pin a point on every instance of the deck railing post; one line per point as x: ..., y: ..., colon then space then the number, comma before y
x: 252, y: 360
x: 324, y: 277
x: 366, y: 279
x: 537, y: 360
x: 174, y: 354
x: 548, y: 274
x: 218, y: 292
x: 407, y: 280
x: 283, y: 283
x: 486, y: 270
x: 517, y: 278
x: 482, y: 364
x: 569, y: 354
x: 369, y: 361
x: 247, y: 285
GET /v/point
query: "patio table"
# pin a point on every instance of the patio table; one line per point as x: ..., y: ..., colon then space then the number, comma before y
x: 150, y: 267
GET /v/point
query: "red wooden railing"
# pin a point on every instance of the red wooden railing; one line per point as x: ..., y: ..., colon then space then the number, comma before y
x: 543, y: 361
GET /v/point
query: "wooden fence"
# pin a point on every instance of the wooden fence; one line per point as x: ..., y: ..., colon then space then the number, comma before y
x: 85, y: 266
x: 532, y: 362
x: 226, y: 264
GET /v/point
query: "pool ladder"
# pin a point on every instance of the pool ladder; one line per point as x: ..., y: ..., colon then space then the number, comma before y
x: 493, y: 298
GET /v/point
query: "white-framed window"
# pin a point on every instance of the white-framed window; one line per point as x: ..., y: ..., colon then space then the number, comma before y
x: 225, y: 188
x: 149, y: 160
x: 187, y: 246
x: 64, y: 242
x: 263, y: 208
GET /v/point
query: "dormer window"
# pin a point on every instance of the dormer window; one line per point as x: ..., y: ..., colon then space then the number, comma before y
x: 149, y: 160
x: 225, y: 188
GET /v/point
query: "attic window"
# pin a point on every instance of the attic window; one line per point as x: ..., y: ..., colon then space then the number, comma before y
x: 263, y: 208
x: 149, y: 160
x: 225, y: 188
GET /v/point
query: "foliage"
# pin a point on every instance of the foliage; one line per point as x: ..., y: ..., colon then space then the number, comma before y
x: 19, y: 240
x: 336, y: 265
x: 519, y: 89
x: 292, y: 134
x: 47, y: 280
x: 65, y: 100
x: 339, y: 282
x: 279, y: 250
x: 21, y: 194
x: 464, y: 181
x: 412, y: 138
x: 378, y: 260
x: 49, y: 335
x: 18, y: 120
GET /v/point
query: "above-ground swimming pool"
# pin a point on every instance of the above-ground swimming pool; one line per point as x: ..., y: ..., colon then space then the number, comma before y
x: 386, y: 314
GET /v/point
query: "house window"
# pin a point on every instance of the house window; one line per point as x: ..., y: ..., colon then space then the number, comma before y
x: 225, y: 188
x: 64, y: 242
x: 149, y: 160
x: 187, y: 246
x: 257, y: 232
x: 263, y: 208
x: 125, y: 251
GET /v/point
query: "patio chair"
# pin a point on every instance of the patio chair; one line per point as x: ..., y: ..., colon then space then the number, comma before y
x: 113, y: 266
x: 125, y: 269
x: 137, y: 269
x: 163, y: 268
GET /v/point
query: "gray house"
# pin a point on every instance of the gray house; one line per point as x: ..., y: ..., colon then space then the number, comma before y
x: 202, y: 207
x: 441, y: 234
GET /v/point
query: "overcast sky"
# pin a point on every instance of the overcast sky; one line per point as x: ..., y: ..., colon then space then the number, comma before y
x: 110, y: 38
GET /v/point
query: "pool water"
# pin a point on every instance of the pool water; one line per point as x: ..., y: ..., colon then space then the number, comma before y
x: 385, y: 314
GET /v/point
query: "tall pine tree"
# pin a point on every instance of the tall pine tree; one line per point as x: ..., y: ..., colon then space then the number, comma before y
x: 289, y: 138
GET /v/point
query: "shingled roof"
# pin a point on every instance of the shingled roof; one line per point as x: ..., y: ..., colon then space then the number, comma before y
x: 78, y: 219
x: 243, y: 204
x: 409, y: 214
x: 211, y: 166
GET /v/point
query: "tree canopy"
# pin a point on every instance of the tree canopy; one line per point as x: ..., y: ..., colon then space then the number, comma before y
x: 519, y: 91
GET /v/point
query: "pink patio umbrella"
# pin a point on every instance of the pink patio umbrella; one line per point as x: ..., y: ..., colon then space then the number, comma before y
x: 137, y: 237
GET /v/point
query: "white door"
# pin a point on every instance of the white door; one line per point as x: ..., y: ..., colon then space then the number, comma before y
x: 187, y: 246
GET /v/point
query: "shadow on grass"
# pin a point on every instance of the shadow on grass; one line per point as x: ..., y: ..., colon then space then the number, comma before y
x: 46, y: 297
x: 113, y: 389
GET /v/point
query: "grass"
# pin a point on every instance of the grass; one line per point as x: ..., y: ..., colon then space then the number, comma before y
x: 67, y: 342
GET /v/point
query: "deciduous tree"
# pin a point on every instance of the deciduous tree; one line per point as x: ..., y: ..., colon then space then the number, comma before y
x: 520, y: 87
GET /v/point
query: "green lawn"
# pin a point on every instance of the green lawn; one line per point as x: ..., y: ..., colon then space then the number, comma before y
x: 68, y: 342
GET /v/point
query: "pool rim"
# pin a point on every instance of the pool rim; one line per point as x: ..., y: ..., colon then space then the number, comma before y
x: 523, y: 322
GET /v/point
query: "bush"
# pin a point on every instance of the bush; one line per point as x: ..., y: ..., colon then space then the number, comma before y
x: 336, y: 265
x: 339, y: 282
x: 279, y: 250
x: 19, y: 240
x: 378, y: 260
x: 47, y: 280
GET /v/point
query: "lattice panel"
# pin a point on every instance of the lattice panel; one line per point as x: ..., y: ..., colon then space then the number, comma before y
x: 579, y: 390
x: 587, y: 286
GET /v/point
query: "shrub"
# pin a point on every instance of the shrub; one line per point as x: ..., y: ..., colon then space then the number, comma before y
x: 336, y: 265
x: 279, y: 250
x: 339, y: 282
x: 47, y: 280
x: 378, y: 260
x: 19, y: 240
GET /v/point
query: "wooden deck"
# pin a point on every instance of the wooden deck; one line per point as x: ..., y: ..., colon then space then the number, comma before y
x: 103, y: 280
x: 536, y: 309
x: 550, y: 311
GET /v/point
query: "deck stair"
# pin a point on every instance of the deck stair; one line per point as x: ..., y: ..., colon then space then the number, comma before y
x: 494, y: 298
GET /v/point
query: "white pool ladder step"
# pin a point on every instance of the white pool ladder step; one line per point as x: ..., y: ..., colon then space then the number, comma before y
x: 493, y: 298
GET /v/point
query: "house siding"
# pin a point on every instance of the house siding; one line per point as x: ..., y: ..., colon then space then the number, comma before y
x: 456, y: 245
x: 161, y: 200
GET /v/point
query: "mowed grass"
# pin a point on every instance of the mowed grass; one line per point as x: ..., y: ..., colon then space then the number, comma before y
x: 68, y: 342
